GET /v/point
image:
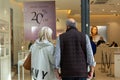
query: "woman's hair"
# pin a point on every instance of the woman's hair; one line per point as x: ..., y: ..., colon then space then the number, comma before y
x: 45, y: 33
x: 92, y: 29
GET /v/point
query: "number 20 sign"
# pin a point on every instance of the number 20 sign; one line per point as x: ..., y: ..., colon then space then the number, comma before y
x: 38, y: 14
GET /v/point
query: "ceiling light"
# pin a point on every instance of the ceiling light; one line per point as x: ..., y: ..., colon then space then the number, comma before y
x: 113, y: 11
x: 118, y: 3
x: 57, y: 8
x: 103, y: 9
x: 69, y: 11
x: 90, y: 11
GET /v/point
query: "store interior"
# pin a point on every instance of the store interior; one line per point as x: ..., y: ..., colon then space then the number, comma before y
x: 103, y: 13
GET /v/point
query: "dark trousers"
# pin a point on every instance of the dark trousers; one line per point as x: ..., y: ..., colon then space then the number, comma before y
x: 73, y: 78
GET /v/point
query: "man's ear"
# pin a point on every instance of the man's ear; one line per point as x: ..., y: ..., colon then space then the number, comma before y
x: 68, y: 27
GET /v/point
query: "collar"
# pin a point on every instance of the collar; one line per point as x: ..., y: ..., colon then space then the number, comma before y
x: 71, y: 28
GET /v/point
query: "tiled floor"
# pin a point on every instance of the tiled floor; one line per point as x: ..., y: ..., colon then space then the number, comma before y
x: 101, y: 74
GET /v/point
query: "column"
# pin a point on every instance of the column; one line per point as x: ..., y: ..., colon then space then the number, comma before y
x: 85, y: 22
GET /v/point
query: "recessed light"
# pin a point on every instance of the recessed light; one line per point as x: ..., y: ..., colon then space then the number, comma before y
x: 118, y: 3
x: 103, y: 9
x: 113, y: 11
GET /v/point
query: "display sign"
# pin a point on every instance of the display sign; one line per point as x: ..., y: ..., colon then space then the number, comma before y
x: 36, y: 15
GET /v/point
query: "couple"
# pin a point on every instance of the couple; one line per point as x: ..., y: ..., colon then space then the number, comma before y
x: 72, y: 55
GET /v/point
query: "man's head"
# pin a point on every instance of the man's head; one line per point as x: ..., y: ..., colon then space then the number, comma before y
x: 71, y: 22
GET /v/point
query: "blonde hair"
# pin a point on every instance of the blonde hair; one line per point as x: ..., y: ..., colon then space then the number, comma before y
x: 45, y: 33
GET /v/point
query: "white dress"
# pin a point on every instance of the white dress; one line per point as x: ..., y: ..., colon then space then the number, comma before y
x: 42, y: 61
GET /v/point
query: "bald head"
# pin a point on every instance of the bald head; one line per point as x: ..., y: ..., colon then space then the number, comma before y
x: 71, y: 22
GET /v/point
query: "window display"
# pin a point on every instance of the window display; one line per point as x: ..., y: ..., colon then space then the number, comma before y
x: 5, y: 58
x: 4, y: 38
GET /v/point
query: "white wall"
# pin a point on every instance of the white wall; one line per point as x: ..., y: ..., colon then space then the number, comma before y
x: 114, y: 32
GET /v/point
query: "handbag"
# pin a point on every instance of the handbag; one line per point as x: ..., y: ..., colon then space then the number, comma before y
x: 27, y: 62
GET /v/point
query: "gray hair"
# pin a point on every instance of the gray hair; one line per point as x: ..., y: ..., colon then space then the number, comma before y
x: 71, y: 22
x: 45, y: 33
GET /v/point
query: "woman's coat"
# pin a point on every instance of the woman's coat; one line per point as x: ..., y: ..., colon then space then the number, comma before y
x: 42, y: 60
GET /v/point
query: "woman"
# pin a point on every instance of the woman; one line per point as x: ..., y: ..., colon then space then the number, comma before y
x: 42, y: 52
x: 94, y: 34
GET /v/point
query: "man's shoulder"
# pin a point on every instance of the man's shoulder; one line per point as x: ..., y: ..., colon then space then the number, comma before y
x: 82, y: 34
x: 62, y: 34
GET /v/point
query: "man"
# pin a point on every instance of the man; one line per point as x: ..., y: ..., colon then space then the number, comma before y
x: 73, y: 54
